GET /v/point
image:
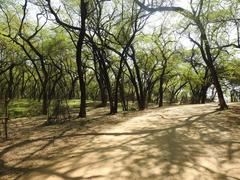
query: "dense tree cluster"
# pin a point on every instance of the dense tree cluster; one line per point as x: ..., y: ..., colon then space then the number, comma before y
x: 106, y: 51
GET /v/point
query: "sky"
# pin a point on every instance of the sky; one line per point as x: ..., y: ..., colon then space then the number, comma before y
x: 156, y: 20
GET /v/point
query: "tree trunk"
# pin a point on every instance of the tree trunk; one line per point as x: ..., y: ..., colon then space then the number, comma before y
x: 102, y: 87
x: 103, y: 95
x: 103, y: 70
x: 161, y: 82
x: 44, y: 99
x: 6, y: 117
x: 203, y: 95
x: 80, y: 68
x: 82, y: 112
x: 209, y: 61
x: 142, y: 104
x: 160, y: 103
x: 217, y: 85
x: 72, y: 89
x: 117, y: 83
x: 122, y: 95
x: 171, y: 98
x: 216, y: 82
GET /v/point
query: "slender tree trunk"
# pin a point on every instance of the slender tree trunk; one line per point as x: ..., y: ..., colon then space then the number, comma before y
x: 82, y: 112
x: 8, y: 97
x: 216, y: 82
x: 117, y: 83
x: 103, y: 70
x: 171, y: 98
x: 204, y: 94
x: 122, y: 95
x: 22, y: 85
x: 103, y: 95
x: 149, y: 95
x: 160, y: 104
x: 44, y: 98
x: 72, y: 89
x: 217, y: 85
x: 209, y: 61
x: 142, y: 102
x: 6, y: 116
x: 161, y: 82
x: 175, y: 93
x: 102, y: 87
x: 79, y: 62
x: 137, y: 82
x: 10, y: 83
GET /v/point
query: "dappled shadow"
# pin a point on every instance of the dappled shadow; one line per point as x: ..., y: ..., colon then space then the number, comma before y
x: 202, y: 145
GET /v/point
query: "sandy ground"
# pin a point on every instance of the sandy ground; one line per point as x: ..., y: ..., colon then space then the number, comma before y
x: 190, y: 142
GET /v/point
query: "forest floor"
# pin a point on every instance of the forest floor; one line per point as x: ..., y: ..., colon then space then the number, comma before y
x: 179, y: 142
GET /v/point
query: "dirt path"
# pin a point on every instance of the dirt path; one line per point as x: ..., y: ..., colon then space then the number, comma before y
x: 182, y: 142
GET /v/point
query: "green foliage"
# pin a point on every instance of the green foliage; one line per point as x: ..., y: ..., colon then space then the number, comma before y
x: 23, y: 108
x: 160, y: 54
x: 233, y: 72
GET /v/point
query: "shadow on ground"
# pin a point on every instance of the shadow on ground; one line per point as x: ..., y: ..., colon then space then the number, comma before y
x: 183, y: 142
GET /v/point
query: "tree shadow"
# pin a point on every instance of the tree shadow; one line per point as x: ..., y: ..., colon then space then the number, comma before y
x: 202, y: 146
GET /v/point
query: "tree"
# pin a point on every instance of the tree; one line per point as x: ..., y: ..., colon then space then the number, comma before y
x: 28, y: 46
x: 197, y: 18
x: 81, y: 31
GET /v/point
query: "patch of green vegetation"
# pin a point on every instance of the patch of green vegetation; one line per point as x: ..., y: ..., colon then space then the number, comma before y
x: 24, y: 108
x: 131, y: 107
x: 74, y: 103
x: 27, y: 107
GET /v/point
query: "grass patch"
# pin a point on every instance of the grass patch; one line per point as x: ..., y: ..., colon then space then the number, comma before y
x: 29, y: 108
x: 24, y: 108
x: 74, y: 103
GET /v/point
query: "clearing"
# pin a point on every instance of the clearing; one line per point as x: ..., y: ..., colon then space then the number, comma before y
x: 178, y: 142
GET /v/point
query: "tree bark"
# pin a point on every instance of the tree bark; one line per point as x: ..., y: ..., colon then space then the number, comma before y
x: 80, y: 68
x: 209, y: 61
x: 160, y: 102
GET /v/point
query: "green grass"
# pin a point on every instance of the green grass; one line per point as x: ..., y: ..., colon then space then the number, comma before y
x: 74, y: 103
x: 24, y: 108
x: 29, y: 108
